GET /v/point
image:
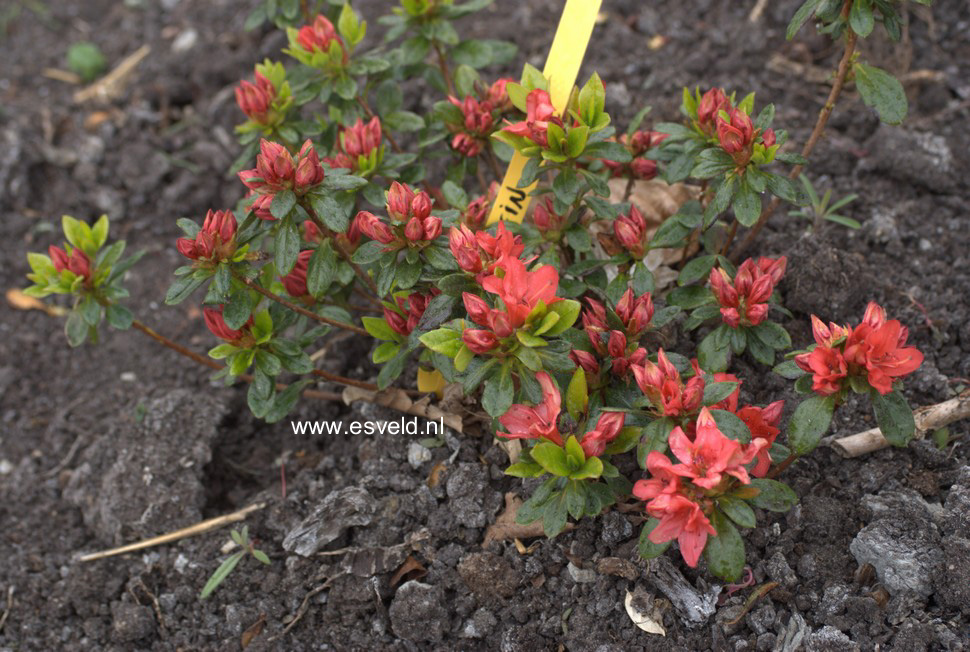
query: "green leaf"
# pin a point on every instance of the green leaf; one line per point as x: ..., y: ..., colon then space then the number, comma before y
x: 690, y: 297
x: 647, y: 548
x: 713, y: 351
x: 182, y: 287
x: 717, y: 392
x: 221, y: 574
x: 697, y: 269
x: 443, y: 340
x: 525, y: 470
x: 75, y: 328
x: 379, y: 328
x: 591, y: 468
x: 882, y: 92
x: 283, y: 203
x: 725, y: 552
x: 737, y: 510
x: 476, y: 373
x: 385, y: 351
x: 568, y: 311
x: 772, y: 335
x: 345, y: 181
x: 119, y: 317
x: 731, y: 425
x: 499, y: 393
x: 334, y: 210
x: 577, y: 395
x: 801, y: 17
x: 219, y: 286
x: 287, y: 247
x: 788, y: 369
x: 321, y: 270
x: 554, y: 515
x: 456, y: 284
x: 747, y: 205
x: 774, y: 496
x: 810, y: 421
x: 894, y: 417
x: 861, y: 19
x: 237, y: 310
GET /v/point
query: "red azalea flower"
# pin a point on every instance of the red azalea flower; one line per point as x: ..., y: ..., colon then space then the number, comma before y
x: 77, y: 262
x: 524, y: 422
x: 520, y: 289
x: 763, y: 424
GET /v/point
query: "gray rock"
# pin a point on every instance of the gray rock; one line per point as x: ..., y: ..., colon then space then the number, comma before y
x: 418, y: 455
x: 581, y: 575
x: 902, y: 504
x: 829, y: 639
x: 956, y: 509
x: 912, y: 156
x: 793, y: 635
x: 761, y: 619
x: 953, y: 583
x: 143, y: 479
x: 479, y: 625
x: 468, y: 492
x: 131, y: 622
x: 418, y: 613
x: 616, y: 528
x: 349, y: 507
x: 692, y: 605
x: 905, y: 554
x: 779, y: 571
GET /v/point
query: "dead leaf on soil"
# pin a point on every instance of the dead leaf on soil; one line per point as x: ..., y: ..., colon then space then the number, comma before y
x: 397, y: 399
x: 253, y: 631
x: 17, y: 299
x: 649, y: 620
x: 411, y: 569
x: 112, y: 85
x: 435, y: 476
x: 505, y: 528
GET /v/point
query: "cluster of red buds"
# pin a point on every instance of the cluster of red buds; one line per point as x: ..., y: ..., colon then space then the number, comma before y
x: 411, y: 221
x: 744, y: 300
x: 321, y: 36
x: 217, y: 326
x: 680, y: 495
x: 520, y: 292
x: 76, y: 262
x: 874, y: 351
x: 620, y: 346
x: 256, y: 100
x: 731, y: 127
x: 712, y: 103
x: 215, y: 241
x: 663, y: 387
x: 476, y: 212
x: 631, y: 232
x: 541, y: 421
x: 359, y: 147
x: 478, y: 118
x: 478, y: 252
x: 409, y: 311
x: 539, y: 113
x: 640, y: 167
x: 549, y: 223
x: 348, y: 241
x: 276, y: 170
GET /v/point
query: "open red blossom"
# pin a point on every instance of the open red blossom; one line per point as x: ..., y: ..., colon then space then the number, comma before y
x: 744, y: 300
x: 828, y: 369
x: 661, y: 384
x: 214, y: 241
x: 631, y: 232
x: 539, y: 113
x: 712, y: 455
x: 77, y: 262
x: 256, y: 100
x: 879, y: 346
x: 520, y: 289
x: 524, y: 422
x: 763, y: 424
x: 682, y: 519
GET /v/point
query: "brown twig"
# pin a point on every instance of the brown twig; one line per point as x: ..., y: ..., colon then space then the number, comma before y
x: 785, y: 463
x: 823, y: 117
x: 299, y: 309
x: 192, y: 530
x: 732, y: 231
x: 629, y: 188
x: 370, y: 114
x: 175, y: 346
x: 305, y: 604
x: 6, y: 611
x: 443, y: 65
x: 927, y: 418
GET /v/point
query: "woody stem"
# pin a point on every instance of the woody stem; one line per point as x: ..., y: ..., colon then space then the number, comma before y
x: 823, y: 117
x: 299, y: 309
x: 785, y: 463
x: 443, y: 65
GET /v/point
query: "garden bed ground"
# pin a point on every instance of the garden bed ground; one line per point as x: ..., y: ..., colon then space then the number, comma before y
x: 104, y: 446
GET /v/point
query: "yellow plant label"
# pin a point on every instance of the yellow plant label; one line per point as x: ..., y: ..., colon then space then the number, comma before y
x: 562, y: 67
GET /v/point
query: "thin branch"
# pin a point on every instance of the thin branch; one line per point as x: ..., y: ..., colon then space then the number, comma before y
x: 299, y: 309
x: 175, y: 346
x: 443, y: 65
x: 823, y: 118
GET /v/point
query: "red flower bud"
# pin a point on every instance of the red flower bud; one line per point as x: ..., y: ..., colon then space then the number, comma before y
x: 586, y: 360
x: 479, y: 341
x: 77, y: 262
x: 256, y: 99
x: 464, y: 247
x: 476, y: 308
x: 261, y: 207
x: 711, y: 103
x: 373, y: 228
x: 432, y: 228
x: 475, y: 213
x: 421, y: 205
x: 318, y: 36
x: 498, y: 96
x: 736, y: 134
x: 643, y: 168
x: 414, y: 231
x: 399, y: 200
x: 768, y: 137
x: 311, y: 232
x: 217, y: 325
x: 630, y: 232
x: 309, y: 172
x: 397, y: 322
x: 295, y: 281
x: 466, y: 145
x: 617, y: 345
x: 545, y: 218
x: 360, y: 139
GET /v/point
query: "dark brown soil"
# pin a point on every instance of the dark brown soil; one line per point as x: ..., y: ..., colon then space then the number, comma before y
x: 104, y: 446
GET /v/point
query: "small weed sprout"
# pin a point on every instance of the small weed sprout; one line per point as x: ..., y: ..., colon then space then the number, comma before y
x: 819, y: 209
x: 227, y: 566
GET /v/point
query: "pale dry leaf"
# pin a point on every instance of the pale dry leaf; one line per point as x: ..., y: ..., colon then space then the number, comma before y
x: 412, y: 569
x: 512, y: 447
x: 17, y: 299
x: 650, y: 623
x: 505, y: 528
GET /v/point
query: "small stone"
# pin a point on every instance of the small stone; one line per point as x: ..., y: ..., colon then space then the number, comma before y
x: 128, y: 377
x: 468, y: 493
x: 180, y: 563
x: 479, y: 625
x: 418, y: 613
x: 489, y: 575
x: 581, y: 575
x: 953, y: 583
x: 905, y: 554
x: 779, y: 571
x: 185, y: 41
x: 616, y: 528
x: 418, y: 455
x: 131, y: 622
x: 829, y: 639
x: 5, y: 467
x: 925, y: 245
x: 349, y: 507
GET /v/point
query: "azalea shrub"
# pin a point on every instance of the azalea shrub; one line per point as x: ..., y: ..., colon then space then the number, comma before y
x: 363, y: 213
